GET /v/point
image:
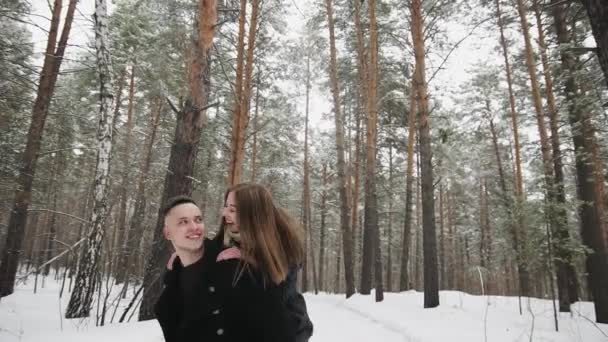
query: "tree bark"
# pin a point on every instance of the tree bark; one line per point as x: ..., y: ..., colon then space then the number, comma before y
x: 322, y: 228
x: 389, y: 257
x: 122, y: 215
x: 371, y: 237
x: 190, y: 122
x: 242, y: 102
x: 431, y: 290
x: 597, y: 10
x: 306, y: 204
x: 347, y: 244
x: 82, y: 296
x: 27, y: 171
x: 404, y: 281
x: 441, y: 241
x: 590, y: 207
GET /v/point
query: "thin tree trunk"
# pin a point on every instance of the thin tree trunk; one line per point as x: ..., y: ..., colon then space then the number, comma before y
x: 27, y: 169
x: 361, y: 100
x: 431, y: 290
x: 482, y: 230
x: 347, y: 244
x: 306, y: 204
x: 404, y: 281
x: 241, y: 111
x: 519, y: 234
x: 323, y: 208
x: 132, y: 240
x: 190, y: 121
x: 82, y: 297
x: 57, y: 172
x: 451, y: 221
x: 122, y: 215
x: 418, y: 262
x: 254, y: 149
x: 389, y: 262
x: 441, y: 240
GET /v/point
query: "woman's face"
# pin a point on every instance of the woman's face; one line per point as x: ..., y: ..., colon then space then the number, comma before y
x: 230, y: 214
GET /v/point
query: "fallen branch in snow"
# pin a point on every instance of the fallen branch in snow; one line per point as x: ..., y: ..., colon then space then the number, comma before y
x: 533, y: 320
x: 590, y: 321
x: 122, y: 317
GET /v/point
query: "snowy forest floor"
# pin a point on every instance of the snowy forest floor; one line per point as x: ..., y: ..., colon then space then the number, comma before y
x: 29, y: 317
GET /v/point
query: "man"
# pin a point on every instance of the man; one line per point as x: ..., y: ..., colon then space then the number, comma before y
x: 183, y: 309
x: 180, y: 302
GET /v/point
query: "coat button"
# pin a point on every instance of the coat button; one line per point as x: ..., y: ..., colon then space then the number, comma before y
x: 216, y: 312
x: 211, y: 289
x: 220, y: 332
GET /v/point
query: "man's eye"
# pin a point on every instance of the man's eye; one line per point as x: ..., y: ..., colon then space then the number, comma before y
x: 198, y: 219
x: 182, y: 222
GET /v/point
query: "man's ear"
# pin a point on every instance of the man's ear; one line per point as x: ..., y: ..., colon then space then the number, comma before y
x: 166, y: 233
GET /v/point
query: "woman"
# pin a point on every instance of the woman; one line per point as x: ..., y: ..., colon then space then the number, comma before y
x: 252, y: 297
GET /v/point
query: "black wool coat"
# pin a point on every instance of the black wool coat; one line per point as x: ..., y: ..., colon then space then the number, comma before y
x: 243, y: 309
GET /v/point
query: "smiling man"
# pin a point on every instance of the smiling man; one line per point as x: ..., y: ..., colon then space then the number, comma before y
x: 180, y: 304
x: 185, y: 229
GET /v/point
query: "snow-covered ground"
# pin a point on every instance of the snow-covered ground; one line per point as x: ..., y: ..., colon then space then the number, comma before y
x: 29, y: 317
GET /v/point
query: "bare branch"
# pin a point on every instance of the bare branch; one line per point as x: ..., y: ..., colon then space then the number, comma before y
x: 53, y: 259
x: 61, y: 213
x: 172, y: 106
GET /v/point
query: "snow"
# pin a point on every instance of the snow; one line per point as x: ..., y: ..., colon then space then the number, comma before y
x: 29, y: 317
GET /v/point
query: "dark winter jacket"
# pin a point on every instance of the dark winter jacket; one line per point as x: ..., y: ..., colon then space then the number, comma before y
x: 243, y: 310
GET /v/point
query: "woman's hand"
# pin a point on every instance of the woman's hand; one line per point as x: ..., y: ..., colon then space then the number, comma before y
x: 171, y: 260
x: 229, y: 253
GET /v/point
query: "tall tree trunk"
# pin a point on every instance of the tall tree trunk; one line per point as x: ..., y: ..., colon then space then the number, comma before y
x: 482, y: 230
x: 347, y: 244
x: 590, y: 213
x: 431, y: 290
x: 27, y: 169
x: 133, y: 236
x: 57, y: 173
x: 243, y: 98
x: 389, y: 258
x: 361, y: 101
x: 82, y: 296
x: 564, y: 263
x: 322, y: 238
x: 190, y: 121
x: 254, y: 149
x: 122, y: 215
x: 598, y: 12
x: 306, y: 204
x: 452, y: 249
x: 371, y: 238
x: 488, y: 229
x: 519, y: 231
x: 418, y: 252
x: 442, y: 266
x: 404, y: 281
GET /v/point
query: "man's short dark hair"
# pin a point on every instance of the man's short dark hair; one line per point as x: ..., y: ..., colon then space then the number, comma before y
x: 175, y: 201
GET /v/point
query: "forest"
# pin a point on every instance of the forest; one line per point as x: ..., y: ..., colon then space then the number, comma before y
x: 424, y: 145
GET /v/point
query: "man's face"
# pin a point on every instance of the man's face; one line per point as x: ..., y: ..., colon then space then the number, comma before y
x: 230, y: 214
x: 184, y: 227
